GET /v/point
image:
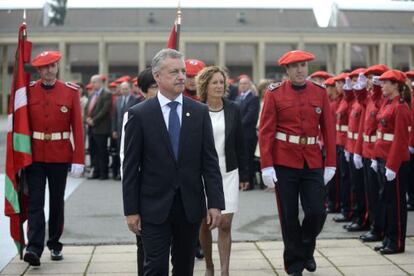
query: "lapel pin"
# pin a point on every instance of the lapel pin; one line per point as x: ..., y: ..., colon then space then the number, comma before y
x: 187, y: 114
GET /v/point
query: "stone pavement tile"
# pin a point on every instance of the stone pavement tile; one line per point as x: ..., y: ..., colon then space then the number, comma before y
x: 254, y: 264
x: 279, y: 264
x: 58, y: 268
x: 408, y: 268
x: 102, y: 249
x: 120, y: 267
x: 323, y: 271
x: 241, y: 273
x: 14, y: 268
x: 345, y: 251
x: 359, y: 261
x: 377, y: 270
x: 67, y: 258
x: 240, y: 246
x: 114, y: 257
x: 111, y: 274
x: 78, y: 249
x: 404, y: 258
x: 270, y: 245
x: 245, y: 254
x: 338, y: 243
x: 278, y: 253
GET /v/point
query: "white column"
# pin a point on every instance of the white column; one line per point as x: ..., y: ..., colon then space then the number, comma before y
x: 103, y: 58
x: 411, y: 57
x: 347, y: 55
x: 339, y: 66
x: 382, y: 58
x: 389, y: 54
x: 221, y: 57
x: 63, y: 74
x: 4, y: 79
x: 141, y: 56
x: 259, y: 66
x: 301, y: 45
x: 330, y: 65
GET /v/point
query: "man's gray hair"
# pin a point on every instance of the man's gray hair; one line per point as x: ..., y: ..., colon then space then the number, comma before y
x: 162, y: 55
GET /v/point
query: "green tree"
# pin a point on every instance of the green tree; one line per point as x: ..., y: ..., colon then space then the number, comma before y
x: 58, y: 12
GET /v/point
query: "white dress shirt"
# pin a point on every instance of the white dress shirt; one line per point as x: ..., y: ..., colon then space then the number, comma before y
x: 164, y: 101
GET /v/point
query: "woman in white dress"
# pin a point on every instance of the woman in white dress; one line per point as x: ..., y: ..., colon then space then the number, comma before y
x: 228, y: 138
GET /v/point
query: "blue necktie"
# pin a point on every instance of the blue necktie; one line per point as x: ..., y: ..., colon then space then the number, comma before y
x: 174, y: 127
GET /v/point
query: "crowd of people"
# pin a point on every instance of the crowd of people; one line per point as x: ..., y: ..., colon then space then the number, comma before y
x: 184, y: 139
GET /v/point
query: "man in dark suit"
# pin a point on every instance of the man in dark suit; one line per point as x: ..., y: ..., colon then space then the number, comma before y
x: 98, y: 119
x: 249, y: 109
x: 122, y: 104
x: 170, y: 171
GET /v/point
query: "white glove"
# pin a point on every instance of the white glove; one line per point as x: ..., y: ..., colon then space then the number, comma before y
x: 347, y: 155
x: 358, y: 161
x: 361, y: 82
x: 348, y: 84
x: 411, y: 149
x: 376, y: 80
x: 390, y: 174
x: 328, y: 173
x: 269, y: 177
x: 374, y: 165
x: 77, y: 169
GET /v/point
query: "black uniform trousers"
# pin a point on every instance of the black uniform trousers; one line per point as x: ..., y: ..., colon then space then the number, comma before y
x: 410, y: 184
x: 56, y: 174
x: 334, y: 196
x: 345, y: 184
x: 394, y: 200
x: 99, y: 142
x: 373, y: 189
x: 250, y: 146
x: 140, y: 256
x: 359, y: 206
x: 176, y: 232
x: 300, y: 239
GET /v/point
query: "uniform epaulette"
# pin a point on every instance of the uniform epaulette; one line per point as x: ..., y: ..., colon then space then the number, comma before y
x: 273, y: 86
x: 318, y: 84
x: 32, y: 83
x: 72, y: 85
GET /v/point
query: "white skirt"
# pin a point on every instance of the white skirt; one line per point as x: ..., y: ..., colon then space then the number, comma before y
x: 231, y: 190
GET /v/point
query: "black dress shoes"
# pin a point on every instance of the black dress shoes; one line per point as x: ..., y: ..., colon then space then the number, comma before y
x: 355, y: 227
x: 379, y: 247
x: 341, y: 218
x: 370, y: 237
x: 410, y: 207
x: 56, y: 255
x: 93, y: 177
x: 199, y: 253
x: 296, y: 274
x: 310, y: 265
x: 387, y: 251
x: 31, y: 258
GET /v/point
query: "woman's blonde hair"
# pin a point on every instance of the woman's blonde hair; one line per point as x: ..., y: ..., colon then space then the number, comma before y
x: 203, y: 78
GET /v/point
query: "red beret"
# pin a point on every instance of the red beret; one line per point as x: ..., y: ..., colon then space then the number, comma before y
x: 410, y: 74
x: 356, y: 72
x: 394, y: 75
x: 193, y: 66
x: 377, y: 69
x: 123, y: 79
x: 341, y: 77
x: 113, y: 84
x: 46, y: 58
x: 321, y: 74
x: 295, y: 56
x: 330, y: 82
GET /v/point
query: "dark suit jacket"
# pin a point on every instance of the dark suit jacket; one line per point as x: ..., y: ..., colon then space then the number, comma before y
x: 101, y: 113
x: 234, y: 142
x: 152, y: 176
x: 249, y: 109
x: 118, y: 112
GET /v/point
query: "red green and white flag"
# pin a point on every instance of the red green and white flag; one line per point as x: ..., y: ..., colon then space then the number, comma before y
x: 19, y: 152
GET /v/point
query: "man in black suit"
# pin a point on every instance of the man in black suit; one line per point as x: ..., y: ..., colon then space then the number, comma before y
x: 98, y: 119
x: 122, y: 104
x: 170, y: 171
x: 249, y: 109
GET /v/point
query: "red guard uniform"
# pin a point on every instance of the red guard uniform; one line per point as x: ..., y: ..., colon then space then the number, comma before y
x: 55, y: 118
x: 391, y: 151
x: 291, y: 121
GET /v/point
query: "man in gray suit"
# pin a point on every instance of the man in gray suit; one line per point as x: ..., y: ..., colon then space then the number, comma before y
x: 122, y: 104
x: 98, y: 119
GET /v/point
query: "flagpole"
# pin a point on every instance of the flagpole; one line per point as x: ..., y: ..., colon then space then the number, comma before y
x: 178, y: 27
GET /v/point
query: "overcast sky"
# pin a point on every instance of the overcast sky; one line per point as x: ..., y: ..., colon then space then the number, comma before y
x: 343, y: 4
